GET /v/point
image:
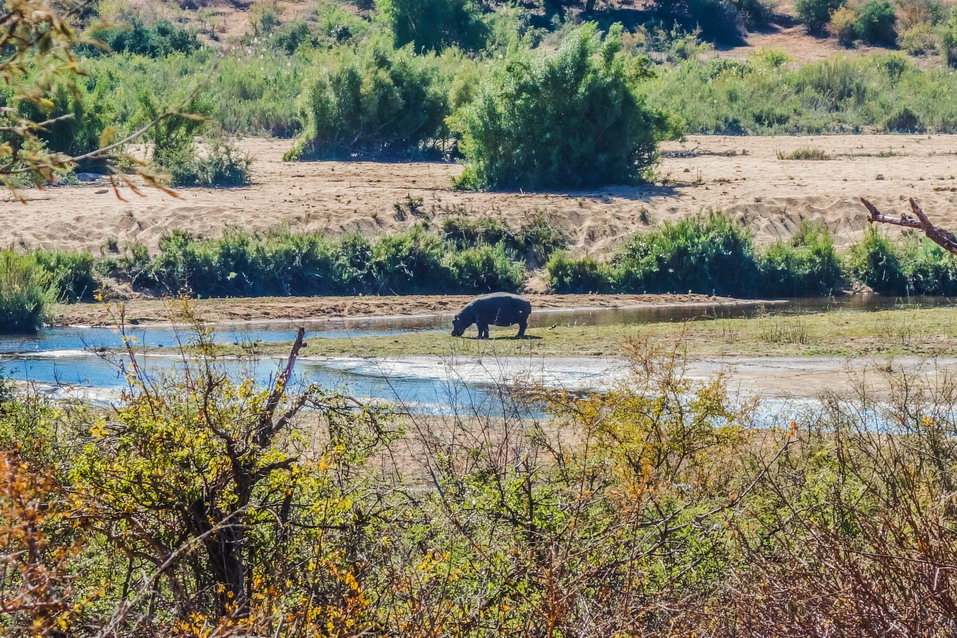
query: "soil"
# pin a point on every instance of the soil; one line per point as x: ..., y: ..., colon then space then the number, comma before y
x: 741, y: 175
x: 302, y: 308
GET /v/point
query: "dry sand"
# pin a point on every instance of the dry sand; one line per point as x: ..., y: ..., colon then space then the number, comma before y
x: 741, y: 175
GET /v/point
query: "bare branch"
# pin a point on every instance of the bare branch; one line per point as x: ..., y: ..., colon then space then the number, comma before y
x: 920, y: 221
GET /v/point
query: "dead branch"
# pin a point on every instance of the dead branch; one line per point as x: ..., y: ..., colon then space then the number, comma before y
x: 920, y: 221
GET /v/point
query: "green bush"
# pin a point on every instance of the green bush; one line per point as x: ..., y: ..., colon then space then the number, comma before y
x: 483, y: 269
x: 710, y: 254
x: 948, y: 40
x: 843, y: 94
x: 72, y: 274
x: 371, y: 100
x: 756, y: 13
x: 918, y: 39
x: 815, y: 14
x: 874, y: 261
x: 221, y: 164
x: 806, y: 265
x: 85, y: 111
x: 292, y: 35
x: 27, y: 291
x: 567, y: 275
x: 285, y: 263
x: 876, y: 23
x: 534, y: 241
x: 569, y: 120
x: 716, y: 20
x: 156, y: 40
x: 433, y: 25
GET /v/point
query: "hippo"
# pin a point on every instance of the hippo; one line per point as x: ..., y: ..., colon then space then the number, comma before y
x: 496, y: 309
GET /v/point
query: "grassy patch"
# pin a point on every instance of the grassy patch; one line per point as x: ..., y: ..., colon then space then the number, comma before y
x: 805, y: 153
x: 922, y: 332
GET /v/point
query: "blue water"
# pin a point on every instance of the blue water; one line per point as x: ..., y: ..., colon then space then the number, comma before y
x: 66, y: 357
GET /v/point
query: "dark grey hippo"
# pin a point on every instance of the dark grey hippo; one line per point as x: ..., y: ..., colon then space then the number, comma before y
x: 496, y: 309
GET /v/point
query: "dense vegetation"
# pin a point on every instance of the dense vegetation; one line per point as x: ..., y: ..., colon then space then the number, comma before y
x: 508, y: 90
x: 708, y: 254
x: 659, y: 507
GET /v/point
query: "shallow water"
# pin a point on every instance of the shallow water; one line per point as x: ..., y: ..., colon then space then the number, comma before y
x: 64, y: 357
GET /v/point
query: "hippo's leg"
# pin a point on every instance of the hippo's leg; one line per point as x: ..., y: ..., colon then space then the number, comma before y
x: 522, y: 324
x: 482, y: 330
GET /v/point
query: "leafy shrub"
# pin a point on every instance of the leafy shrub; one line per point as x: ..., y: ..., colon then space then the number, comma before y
x: 159, y: 39
x: 533, y: 241
x: 874, y: 261
x: 756, y: 13
x: 72, y: 274
x: 567, y: 275
x: 569, y: 120
x: 483, y: 269
x: 948, y: 40
x: 805, y: 153
x: 844, y: 25
x: 709, y: 254
x: 292, y: 35
x: 805, y: 265
x: 26, y: 292
x: 371, y: 100
x: 433, y: 25
x: 918, y: 39
x: 221, y: 164
x: 815, y: 14
x: 904, y: 121
x: 721, y: 20
x: 90, y: 106
x: 843, y: 94
x: 716, y: 20
x: 284, y: 263
x: 876, y: 22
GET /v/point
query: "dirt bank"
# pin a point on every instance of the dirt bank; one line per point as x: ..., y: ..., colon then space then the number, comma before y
x: 298, y: 308
x: 742, y: 175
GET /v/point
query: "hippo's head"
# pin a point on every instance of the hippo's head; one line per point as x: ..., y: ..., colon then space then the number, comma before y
x: 458, y: 326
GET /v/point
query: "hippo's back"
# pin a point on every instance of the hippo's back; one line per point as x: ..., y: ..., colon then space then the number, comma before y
x: 501, y: 308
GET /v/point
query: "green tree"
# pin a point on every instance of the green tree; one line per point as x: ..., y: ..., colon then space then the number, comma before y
x: 574, y: 119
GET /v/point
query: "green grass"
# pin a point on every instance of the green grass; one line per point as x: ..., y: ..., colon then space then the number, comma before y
x: 922, y: 332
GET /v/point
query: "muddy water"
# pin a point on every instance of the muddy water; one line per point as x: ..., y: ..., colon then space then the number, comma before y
x: 69, y: 360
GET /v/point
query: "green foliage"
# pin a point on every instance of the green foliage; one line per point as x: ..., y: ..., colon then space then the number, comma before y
x: 756, y: 13
x: 805, y: 153
x: 915, y: 266
x: 27, y: 291
x: 707, y: 255
x: 804, y: 266
x: 284, y: 263
x: 837, y: 95
x: 73, y: 274
x: 919, y: 39
x: 83, y: 111
x: 569, y: 120
x: 875, y: 262
x: 534, y: 241
x: 716, y: 20
x: 220, y: 164
x: 817, y: 13
x: 948, y: 40
x: 577, y: 276
x: 710, y: 254
x: 876, y: 22
x: 155, y: 40
x: 372, y: 99
x: 433, y: 25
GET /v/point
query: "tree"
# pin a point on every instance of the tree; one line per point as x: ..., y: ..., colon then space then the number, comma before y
x: 940, y: 236
x: 37, y: 59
